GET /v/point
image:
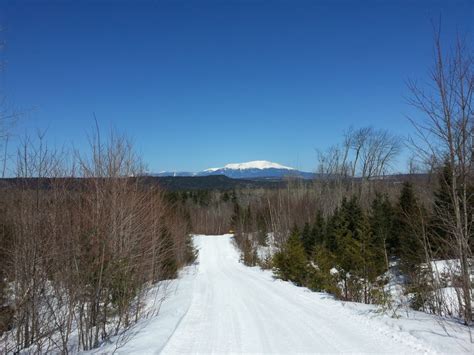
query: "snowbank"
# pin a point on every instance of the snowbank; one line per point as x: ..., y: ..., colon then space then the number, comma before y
x: 166, y: 309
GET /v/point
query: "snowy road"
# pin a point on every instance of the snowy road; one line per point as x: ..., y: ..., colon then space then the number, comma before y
x: 235, y: 308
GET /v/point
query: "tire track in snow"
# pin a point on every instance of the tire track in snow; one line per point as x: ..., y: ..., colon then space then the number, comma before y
x: 240, y: 309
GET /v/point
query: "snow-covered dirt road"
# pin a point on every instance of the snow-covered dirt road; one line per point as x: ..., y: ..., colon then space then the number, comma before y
x: 221, y: 306
x: 239, y: 309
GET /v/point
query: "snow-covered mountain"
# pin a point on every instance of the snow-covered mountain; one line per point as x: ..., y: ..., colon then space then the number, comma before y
x: 256, y: 164
x: 252, y: 170
x: 258, y: 169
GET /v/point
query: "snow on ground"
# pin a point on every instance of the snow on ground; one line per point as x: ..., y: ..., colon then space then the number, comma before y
x: 222, y: 306
x: 444, y: 273
x: 170, y: 303
x: 266, y: 252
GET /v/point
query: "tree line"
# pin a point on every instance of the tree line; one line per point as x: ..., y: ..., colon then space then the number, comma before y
x: 347, y: 230
x: 361, y: 219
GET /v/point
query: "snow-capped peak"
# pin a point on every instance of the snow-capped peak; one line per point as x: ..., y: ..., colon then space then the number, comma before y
x: 256, y: 164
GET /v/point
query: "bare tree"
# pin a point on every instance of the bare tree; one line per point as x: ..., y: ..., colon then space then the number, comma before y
x: 445, y: 136
x: 82, y: 252
x: 364, y: 154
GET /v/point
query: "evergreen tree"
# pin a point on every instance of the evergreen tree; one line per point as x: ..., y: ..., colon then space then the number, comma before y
x: 443, y: 213
x: 225, y: 196
x: 335, y: 223
x: 357, y: 254
x: 236, y: 216
x: 320, y: 277
x: 349, y: 246
x: 371, y: 258
x: 406, y: 224
x: 291, y: 262
x: 381, y: 224
x: 184, y: 196
x: 319, y: 229
x: 352, y: 212
x: 443, y: 210
x: 307, y: 239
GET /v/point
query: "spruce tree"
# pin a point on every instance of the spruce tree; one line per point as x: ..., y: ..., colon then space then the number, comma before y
x: 443, y: 210
x: 335, y: 222
x: 319, y: 229
x: 371, y: 257
x: 291, y: 262
x: 381, y: 224
x: 406, y: 224
x: 443, y: 213
x: 236, y: 217
x: 350, y: 242
x: 320, y: 276
x: 348, y: 256
x: 352, y: 212
x: 307, y: 239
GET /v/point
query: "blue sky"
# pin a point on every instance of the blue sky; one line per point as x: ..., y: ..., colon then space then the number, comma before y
x: 199, y: 84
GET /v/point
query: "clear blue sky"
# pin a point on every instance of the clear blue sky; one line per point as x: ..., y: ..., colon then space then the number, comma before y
x: 200, y: 84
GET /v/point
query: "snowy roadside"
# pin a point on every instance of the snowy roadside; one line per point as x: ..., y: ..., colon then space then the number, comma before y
x: 349, y: 323
x: 151, y: 334
x: 424, y: 332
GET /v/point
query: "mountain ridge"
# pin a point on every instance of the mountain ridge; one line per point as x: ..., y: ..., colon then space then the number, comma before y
x: 248, y: 170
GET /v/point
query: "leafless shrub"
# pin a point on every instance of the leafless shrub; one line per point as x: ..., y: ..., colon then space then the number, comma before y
x: 82, y: 251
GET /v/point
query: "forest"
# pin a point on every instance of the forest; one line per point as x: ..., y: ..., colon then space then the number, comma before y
x: 81, y: 253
